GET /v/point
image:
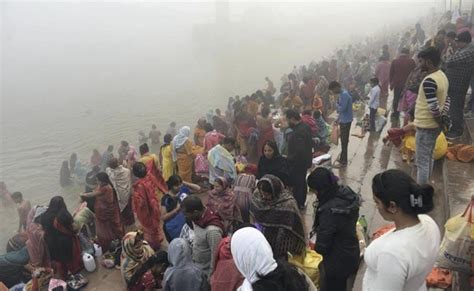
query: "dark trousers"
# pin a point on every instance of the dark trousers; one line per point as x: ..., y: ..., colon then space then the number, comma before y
x: 456, y: 112
x: 331, y: 283
x: 300, y: 188
x: 397, y: 94
x: 345, y: 132
x: 373, y: 112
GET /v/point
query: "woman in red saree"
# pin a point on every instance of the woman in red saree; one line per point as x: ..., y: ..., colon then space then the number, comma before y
x: 146, y: 206
x: 63, y: 243
x: 107, y: 212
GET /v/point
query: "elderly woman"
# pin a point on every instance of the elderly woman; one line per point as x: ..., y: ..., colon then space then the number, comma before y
x: 183, y: 274
x: 222, y: 201
x: 244, y: 186
x: 182, y: 151
x: 276, y: 213
x: 141, y: 268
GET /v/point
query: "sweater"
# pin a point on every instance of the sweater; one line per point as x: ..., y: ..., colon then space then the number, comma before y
x: 431, y: 99
x: 400, y: 69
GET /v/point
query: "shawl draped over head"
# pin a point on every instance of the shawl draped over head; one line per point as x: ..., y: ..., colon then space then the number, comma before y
x: 280, y: 219
x: 135, y: 252
x: 226, y: 276
x: 183, y: 274
x: 35, y: 244
x: 121, y: 181
x: 252, y: 255
x: 220, y: 158
x: 223, y: 203
x: 179, y: 140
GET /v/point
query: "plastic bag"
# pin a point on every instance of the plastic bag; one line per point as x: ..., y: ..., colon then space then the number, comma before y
x: 335, y: 133
x: 309, y: 264
x: 201, y: 165
x: 454, y: 253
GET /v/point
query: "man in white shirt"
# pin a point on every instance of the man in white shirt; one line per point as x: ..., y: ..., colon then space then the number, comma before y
x: 374, y: 99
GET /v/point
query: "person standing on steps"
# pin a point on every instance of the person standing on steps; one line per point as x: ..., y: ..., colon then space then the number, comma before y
x: 399, y: 71
x: 344, y: 119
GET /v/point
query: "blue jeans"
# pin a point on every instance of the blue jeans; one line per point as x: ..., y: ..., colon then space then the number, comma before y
x: 425, y: 144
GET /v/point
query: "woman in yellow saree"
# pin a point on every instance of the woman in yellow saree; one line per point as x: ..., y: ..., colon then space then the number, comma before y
x: 166, y: 158
x: 182, y: 151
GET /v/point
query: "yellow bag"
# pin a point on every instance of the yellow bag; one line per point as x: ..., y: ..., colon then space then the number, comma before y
x: 309, y: 264
x: 455, y: 250
x: 441, y: 147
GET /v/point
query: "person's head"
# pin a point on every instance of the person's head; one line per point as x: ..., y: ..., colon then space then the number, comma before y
x: 208, y: 127
x: 270, y: 187
x: 167, y: 138
x: 374, y: 82
x: 124, y: 143
x: 429, y: 59
x: 265, y: 111
x: 95, y: 152
x: 65, y: 165
x: 385, y: 47
x: 185, y: 131
x: 179, y: 253
x: 56, y: 204
x: 450, y: 37
x: 293, y: 117
x: 110, y: 148
x: 405, y: 51
x: 139, y: 170
x: 218, y: 112
x: 113, y: 163
x: 270, y: 149
x: 220, y: 184
x: 396, y: 194
x: 153, y: 126
x: 335, y: 87
x: 417, y: 26
x: 73, y: 157
x: 192, y: 207
x: 174, y: 183
x: 144, y: 149
x: 229, y: 143
x: 383, y: 58
x: 292, y: 77
x: 323, y: 182
x: 103, y: 179
x: 316, y: 114
x: 17, y: 197
x: 463, y: 39
x: 133, y: 245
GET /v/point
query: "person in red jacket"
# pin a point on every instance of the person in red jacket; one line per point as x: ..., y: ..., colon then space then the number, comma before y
x: 399, y: 71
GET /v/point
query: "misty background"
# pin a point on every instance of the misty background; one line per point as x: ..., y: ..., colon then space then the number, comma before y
x: 81, y: 75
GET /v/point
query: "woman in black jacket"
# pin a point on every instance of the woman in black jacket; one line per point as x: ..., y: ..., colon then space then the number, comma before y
x: 335, y: 222
x: 272, y: 163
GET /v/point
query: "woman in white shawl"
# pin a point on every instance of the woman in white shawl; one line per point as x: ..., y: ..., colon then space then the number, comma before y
x: 183, y: 274
x: 253, y: 258
x: 182, y: 153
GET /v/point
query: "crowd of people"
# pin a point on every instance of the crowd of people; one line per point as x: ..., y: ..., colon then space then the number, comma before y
x: 143, y: 207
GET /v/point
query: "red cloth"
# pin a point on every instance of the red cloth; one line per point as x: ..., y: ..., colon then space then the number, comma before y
x: 210, y: 218
x: 309, y: 120
x: 147, y: 209
x: 395, y: 135
x: 226, y: 276
x: 211, y: 139
x: 265, y: 135
x: 400, y: 69
x: 75, y: 265
x: 155, y: 176
x: 107, y: 217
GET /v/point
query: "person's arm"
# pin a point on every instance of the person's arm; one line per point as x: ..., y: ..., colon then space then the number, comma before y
x: 430, y: 87
x: 390, y: 274
x: 193, y: 187
x: 325, y: 233
x: 20, y: 219
x: 165, y: 215
x: 213, y: 238
x: 91, y: 194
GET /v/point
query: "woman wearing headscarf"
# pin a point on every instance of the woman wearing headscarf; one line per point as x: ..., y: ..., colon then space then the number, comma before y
x: 183, y: 274
x: 221, y: 200
x: 254, y: 259
x: 107, y: 212
x: 136, y: 262
x: 63, y: 244
x: 182, y: 151
x: 335, y: 228
x: 226, y: 276
x: 271, y: 162
x: 146, y: 206
x: 36, y: 245
x: 166, y: 158
x: 65, y: 175
x: 275, y: 211
x: 244, y: 186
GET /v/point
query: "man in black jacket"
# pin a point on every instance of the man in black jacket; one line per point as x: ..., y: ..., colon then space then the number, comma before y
x: 300, y: 154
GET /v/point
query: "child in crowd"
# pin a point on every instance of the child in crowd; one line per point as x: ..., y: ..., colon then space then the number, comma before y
x: 23, y: 209
x: 374, y: 99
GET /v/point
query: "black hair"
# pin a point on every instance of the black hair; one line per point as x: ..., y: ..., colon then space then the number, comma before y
x: 110, y: 148
x: 229, y: 140
x: 208, y: 127
x: 17, y: 195
x: 405, y: 51
x: 399, y: 187
x: 431, y: 54
x: 316, y: 114
x: 124, y: 143
x: 167, y: 138
x: 333, y: 85
x: 323, y: 180
x: 153, y: 126
x: 265, y: 111
x: 174, y: 180
x: 57, y: 209
x: 144, y: 149
x: 292, y: 113
x: 159, y: 258
x: 374, y: 81
x: 139, y: 170
x: 265, y: 186
x: 103, y: 177
x: 273, y: 145
x: 451, y: 34
x: 284, y: 277
x: 192, y: 203
x: 113, y: 163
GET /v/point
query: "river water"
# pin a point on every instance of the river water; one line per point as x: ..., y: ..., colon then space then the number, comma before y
x: 82, y: 76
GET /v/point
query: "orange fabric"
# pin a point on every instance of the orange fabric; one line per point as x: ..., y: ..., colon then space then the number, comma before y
x: 461, y: 152
x: 185, y: 160
x: 199, y: 135
x: 439, y: 278
x: 382, y: 230
x: 107, y: 217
